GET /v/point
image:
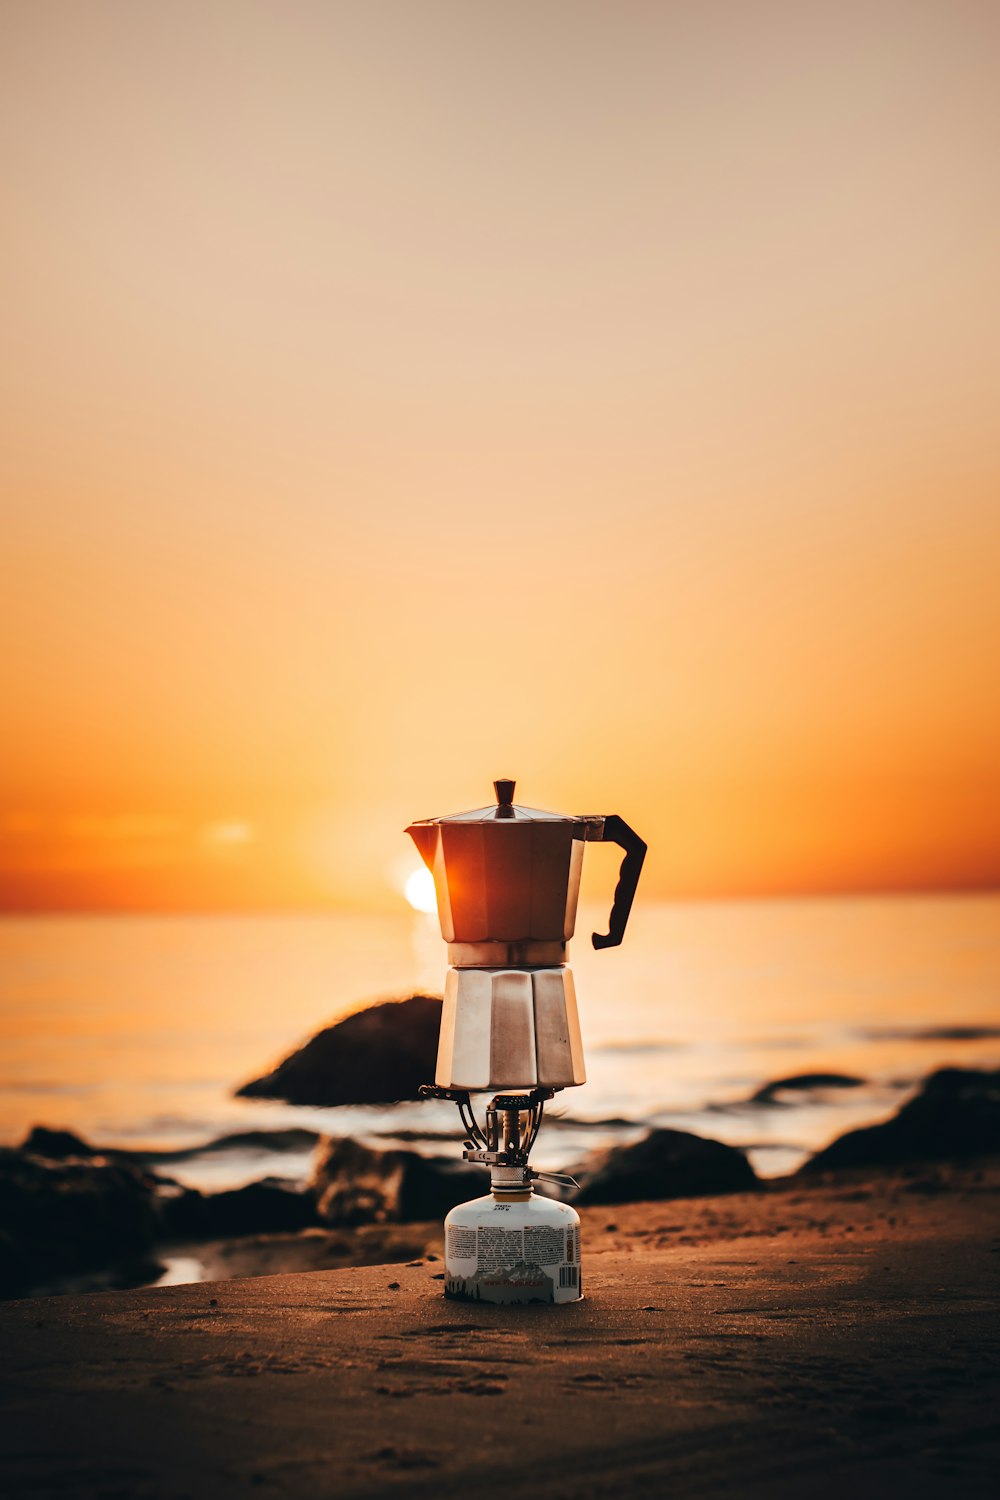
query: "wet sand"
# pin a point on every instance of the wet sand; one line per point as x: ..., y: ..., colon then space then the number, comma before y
x: 841, y: 1337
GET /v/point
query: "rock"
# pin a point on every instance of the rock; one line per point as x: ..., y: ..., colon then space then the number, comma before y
x: 377, y: 1056
x: 292, y: 1139
x: 270, y: 1206
x: 354, y: 1184
x: 71, y: 1214
x: 956, y: 1115
x: 803, y: 1083
x: 948, y: 1033
x: 66, y: 1208
x: 56, y: 1145
x: 668, y: 1164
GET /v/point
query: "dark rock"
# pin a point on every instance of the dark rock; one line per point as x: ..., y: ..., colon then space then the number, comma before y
x: 69, y: 1211
x: 957, y: 1034
x: 269, y: 1206
x: 955, y: 1116
x: 803, y: 1083
x: 354, y: 1184
x: 377, y: 1056
x: 56, y: 1145
x: 668, y: 1164
x: 930, y: 1033
x: 62, y: 1215
x: 292, y: 1139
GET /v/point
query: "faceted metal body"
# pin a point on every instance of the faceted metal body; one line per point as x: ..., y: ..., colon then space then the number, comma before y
x: 510, y: 1029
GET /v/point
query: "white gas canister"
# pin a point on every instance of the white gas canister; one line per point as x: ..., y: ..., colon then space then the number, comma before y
x: 512, y: 1247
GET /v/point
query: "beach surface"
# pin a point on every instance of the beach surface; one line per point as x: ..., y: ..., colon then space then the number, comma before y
x: 840, y: 1337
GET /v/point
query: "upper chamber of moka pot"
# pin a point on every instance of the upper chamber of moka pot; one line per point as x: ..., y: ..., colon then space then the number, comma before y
x: 507, y: 880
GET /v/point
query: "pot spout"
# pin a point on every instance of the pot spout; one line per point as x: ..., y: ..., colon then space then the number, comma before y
x: 425, y: 836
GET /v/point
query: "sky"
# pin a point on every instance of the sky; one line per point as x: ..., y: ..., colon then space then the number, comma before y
x: 401, y: 395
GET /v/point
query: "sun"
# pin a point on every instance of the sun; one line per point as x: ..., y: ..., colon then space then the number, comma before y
x: 419, y: 890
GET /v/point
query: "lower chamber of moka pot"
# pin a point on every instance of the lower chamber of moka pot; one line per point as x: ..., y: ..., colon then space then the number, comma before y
x: 510, y: 1028
x: 512, y: 1247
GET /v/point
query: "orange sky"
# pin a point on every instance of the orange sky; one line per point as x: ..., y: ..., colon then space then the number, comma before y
x: 395, y: 396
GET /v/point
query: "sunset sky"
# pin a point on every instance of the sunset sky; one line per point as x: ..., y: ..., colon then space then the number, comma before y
x: 400, y: 395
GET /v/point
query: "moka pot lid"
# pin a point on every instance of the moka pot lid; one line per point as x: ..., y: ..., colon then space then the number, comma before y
x: 505, y: 809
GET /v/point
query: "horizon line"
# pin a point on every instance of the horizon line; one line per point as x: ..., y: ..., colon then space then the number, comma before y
x: 327, y: 908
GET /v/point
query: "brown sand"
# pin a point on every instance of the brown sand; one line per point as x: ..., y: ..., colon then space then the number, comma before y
x: 839, y: 1339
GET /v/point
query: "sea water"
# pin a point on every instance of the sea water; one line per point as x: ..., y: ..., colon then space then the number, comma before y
x: 135, y: 1031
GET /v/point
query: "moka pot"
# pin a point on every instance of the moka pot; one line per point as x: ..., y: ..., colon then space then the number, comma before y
x: 507, y: 880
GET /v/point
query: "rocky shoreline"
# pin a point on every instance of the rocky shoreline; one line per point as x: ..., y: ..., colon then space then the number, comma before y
x: 74, y: 1215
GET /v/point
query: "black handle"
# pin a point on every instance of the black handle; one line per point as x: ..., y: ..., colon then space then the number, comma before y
x: 617, y: 831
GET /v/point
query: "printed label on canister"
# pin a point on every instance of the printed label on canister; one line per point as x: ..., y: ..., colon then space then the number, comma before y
x: 535, y: 1263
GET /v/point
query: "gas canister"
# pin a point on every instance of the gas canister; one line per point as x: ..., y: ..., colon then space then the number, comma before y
x: 513, y: 1246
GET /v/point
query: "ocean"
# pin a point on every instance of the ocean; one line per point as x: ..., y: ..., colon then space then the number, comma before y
x: 135, y: 1031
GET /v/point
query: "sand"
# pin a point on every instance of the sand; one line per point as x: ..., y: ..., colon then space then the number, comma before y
x: 823, y: 1341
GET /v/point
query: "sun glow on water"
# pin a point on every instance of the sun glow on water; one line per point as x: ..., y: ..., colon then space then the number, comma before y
x: 419, y: 890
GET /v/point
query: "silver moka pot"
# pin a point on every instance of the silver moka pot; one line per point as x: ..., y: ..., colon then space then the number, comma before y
x: 507, y: 880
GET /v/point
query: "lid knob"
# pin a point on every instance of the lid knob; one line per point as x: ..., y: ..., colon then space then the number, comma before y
x: 504, y: 789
